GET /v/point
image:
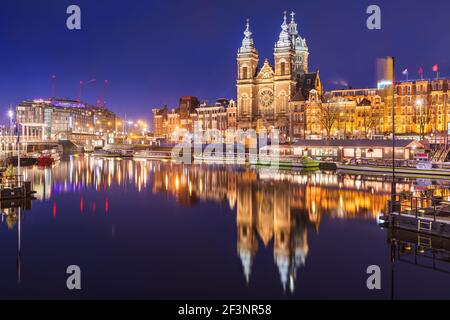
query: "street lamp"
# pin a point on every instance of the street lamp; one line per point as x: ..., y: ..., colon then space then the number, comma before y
x: 10, y: 116
x: 419, y: 103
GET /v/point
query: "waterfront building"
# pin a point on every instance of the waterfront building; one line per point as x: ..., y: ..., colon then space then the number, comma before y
x: 191, y: 116
x: 421, y: 108
x: 61, y: 119
x: 210, y: 118
x: 50, y: 120
x: 106, y: 121
x: 232, y: 115
x: 160, y: 121
x: 187, y: 106
x: 264, y: 94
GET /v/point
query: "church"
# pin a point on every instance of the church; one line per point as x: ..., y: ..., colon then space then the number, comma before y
x: 266, y: 95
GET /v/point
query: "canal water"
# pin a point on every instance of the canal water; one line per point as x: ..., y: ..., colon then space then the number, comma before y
x: 158, y: 230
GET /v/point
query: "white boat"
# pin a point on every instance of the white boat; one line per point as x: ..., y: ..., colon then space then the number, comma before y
x: 106, y: 154
x: 221, y: 157
x: 153, y: 154
x: 421, y: 169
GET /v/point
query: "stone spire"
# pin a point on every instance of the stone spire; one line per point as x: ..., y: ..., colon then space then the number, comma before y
x: 247, y: 43
x: 284, y: 39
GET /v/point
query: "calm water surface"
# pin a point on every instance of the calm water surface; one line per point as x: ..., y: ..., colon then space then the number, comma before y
x: 150, y: 229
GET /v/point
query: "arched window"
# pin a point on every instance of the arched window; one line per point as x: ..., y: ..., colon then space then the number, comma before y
x: 283, y: 68
x: 283, y: 102
x: 245, y: 104
x: 244, y: 72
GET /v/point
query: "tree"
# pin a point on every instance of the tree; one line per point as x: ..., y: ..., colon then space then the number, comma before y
x: 422, y: 116
x: 368, y: 121
x: 328, y: 115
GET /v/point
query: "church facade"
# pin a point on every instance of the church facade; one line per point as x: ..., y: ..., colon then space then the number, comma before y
x: 266, y: 94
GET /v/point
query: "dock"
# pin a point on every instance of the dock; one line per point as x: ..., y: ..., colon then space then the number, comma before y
x: 428, y: 215
x: 15, y: 188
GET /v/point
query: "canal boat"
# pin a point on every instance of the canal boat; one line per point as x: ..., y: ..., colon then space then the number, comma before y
x: 47, y: 157
x: 229, y: 157
x: 44, y: 161
x: 402, y: 168
x: 285, y: 161
x: 106, y: 154
x: 126, y: 153
x: 153, y: 154
x: 24, y: 161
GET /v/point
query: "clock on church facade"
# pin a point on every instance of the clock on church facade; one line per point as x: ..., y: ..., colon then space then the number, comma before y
x: 266, y: 97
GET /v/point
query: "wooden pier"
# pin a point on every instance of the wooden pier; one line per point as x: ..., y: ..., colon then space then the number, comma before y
x: 428, y: 214
x: 425, y: 251
x: 15, y: 188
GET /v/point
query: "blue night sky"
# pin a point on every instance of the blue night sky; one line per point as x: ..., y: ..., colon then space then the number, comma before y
x: 154, y: 51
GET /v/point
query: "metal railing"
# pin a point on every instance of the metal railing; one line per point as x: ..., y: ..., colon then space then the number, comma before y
x: 15, y: 181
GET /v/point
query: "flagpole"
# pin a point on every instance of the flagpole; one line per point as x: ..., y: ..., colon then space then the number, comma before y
x: 18, y: 151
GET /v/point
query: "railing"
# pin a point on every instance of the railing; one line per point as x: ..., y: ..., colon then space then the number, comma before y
x: 383, y: 162
x: 16, y: 181
x: 426, y: 206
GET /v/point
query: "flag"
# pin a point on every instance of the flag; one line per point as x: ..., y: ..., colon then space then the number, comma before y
x: 435, y: 68
x: 420, y: 72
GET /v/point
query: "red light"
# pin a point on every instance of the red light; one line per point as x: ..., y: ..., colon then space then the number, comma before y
x: 54, y: 209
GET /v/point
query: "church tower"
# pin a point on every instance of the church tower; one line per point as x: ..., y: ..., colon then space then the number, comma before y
x: 300, y: 47
x: 247, y: 61
x: 284, y: 79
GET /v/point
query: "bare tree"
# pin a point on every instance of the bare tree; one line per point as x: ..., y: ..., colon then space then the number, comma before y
x: 328, y: 115
x: 368, y: 121
x: 422, y: 117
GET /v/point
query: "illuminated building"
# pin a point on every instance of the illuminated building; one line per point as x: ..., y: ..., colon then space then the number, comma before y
x: 421, y: 109
x: 264, y: 94
x: 55, y: 119
x: 191, y: 116
x: 46, y: 120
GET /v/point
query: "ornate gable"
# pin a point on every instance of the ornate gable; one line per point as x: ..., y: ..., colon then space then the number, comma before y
x: 266, y: 71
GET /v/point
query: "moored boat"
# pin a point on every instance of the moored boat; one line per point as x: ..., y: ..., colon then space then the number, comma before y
x: 153, y: 154
x: 44, y: 160
x: 285, y: 161
x: 47, y: 157
x: 417, y: 169
x: 106, y: 154
x: 221, y: 157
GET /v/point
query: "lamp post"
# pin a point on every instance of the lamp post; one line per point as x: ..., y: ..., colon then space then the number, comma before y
x: 419, y: 105
x: 10, y: 116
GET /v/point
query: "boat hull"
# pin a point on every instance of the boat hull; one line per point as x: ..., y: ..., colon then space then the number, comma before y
x: 442, y: 173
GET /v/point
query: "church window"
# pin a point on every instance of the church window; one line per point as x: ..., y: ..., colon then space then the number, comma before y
x: 283, y: 68
x: 244, y: 73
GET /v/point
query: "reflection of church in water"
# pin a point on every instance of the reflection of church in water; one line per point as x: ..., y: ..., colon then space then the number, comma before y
x: 265, y: 211
x: 274, y: 208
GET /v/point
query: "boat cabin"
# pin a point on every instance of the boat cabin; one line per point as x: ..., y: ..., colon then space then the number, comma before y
x: 341, y: 150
